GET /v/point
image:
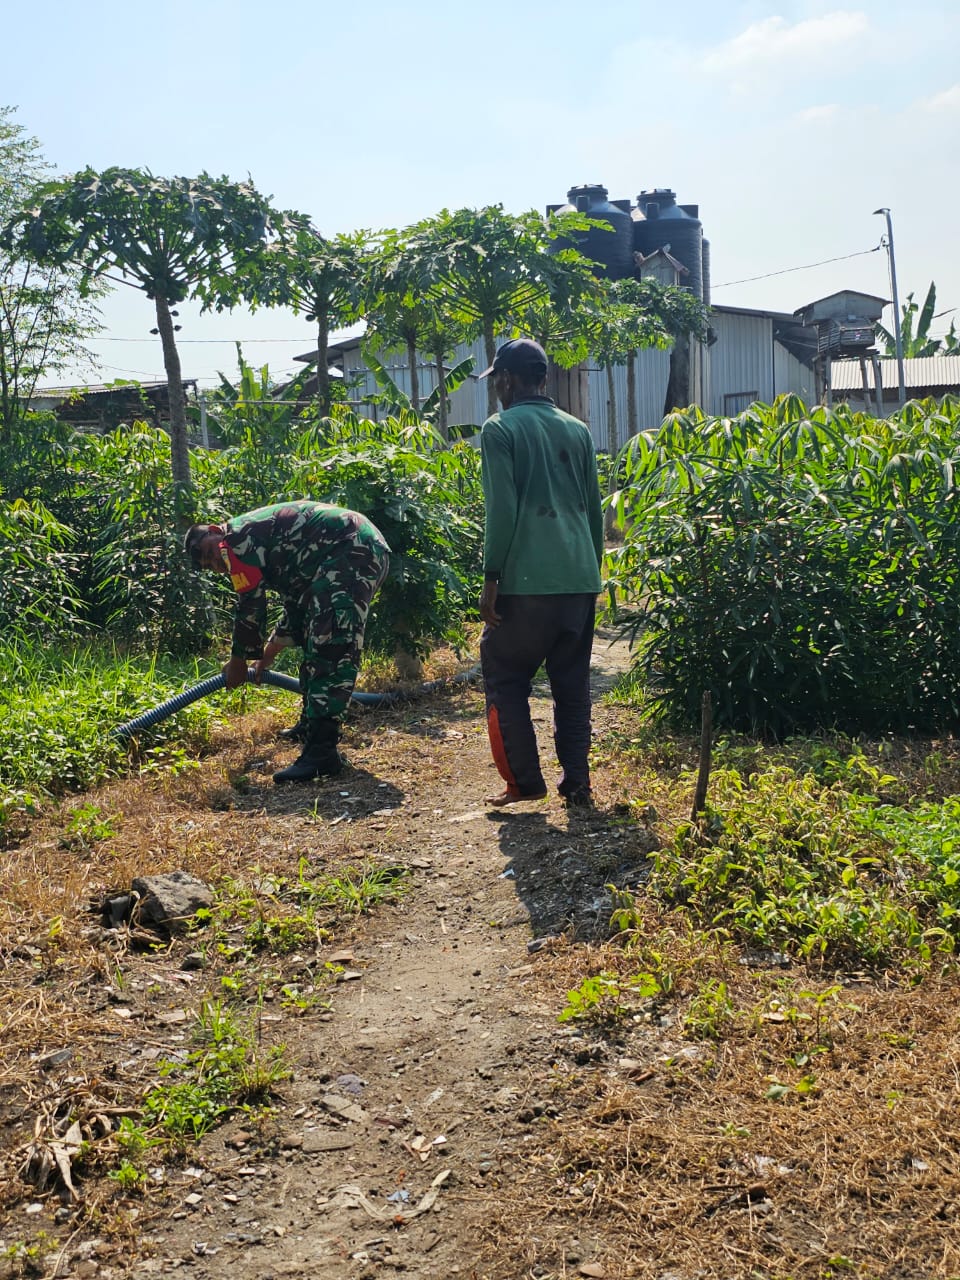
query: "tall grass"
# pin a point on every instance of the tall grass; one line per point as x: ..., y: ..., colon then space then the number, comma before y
x: 58, y: 707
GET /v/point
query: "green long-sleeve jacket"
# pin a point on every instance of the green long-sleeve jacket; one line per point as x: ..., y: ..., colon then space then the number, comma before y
x: 543, y: 529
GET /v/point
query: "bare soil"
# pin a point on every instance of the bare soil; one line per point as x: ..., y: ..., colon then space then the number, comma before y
x: 439, y: 1120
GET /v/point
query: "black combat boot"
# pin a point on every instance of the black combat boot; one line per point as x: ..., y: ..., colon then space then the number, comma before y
x: 319, y: 757
x: 296, y: 733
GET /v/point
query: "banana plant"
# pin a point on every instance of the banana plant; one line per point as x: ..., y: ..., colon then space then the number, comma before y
x: 255, y: 405
x: 915, y: 325
x: 395, y: 400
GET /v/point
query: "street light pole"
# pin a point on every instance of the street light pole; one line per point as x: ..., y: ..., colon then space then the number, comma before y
x: 897, y: 332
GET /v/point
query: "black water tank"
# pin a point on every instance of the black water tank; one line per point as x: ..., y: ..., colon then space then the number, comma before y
x: 658, y: 222
x: 706, y: 272
x: 612, y: 250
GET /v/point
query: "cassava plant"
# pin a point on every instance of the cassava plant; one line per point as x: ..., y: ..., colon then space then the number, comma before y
x: 801, y: 566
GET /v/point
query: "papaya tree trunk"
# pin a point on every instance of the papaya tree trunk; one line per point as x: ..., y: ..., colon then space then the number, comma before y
x: 414, y: 374
x: 6, y: 404
x: 179, y: 448
x: 633, y: 425
x: 490, y: 349
x: 441, y: 394
x: 678, y: 384
x: 323, y: 376
x: 613, y: 426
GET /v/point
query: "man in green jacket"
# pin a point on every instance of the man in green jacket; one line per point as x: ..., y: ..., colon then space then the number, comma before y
x: 327, y: 564
x: 543, y: 542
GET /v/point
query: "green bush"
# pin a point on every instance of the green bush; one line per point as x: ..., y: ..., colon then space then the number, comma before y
x: 96, y: 544
x: 37, y: 568
x: 423, y: 495
x: 58, y: 707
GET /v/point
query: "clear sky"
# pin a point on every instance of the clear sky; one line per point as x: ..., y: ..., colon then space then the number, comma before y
x: 788, y: 123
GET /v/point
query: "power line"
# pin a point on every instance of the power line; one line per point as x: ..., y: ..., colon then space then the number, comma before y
x: 806, y: 267
x: 229, y: 341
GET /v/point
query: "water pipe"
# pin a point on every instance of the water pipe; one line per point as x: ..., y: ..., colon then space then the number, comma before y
x: 278, y: 681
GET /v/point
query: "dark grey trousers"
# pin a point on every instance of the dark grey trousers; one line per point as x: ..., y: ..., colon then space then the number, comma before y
x: 552, y: 631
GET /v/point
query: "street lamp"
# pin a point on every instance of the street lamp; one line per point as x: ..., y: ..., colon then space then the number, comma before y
x: 898, y: 335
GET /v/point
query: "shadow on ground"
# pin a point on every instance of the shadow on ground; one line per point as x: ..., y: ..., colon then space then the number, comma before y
x: 563, y: 867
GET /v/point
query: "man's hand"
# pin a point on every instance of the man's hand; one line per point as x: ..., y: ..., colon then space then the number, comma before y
x: 263, y: 664
x: 488, y: 604
x: 235, y: 673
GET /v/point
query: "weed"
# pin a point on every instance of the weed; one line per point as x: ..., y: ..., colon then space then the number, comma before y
x: 293, y: 996
x: 354, y: 891
x: 227, y: 1070
x: 28, y: 1258
x: 779, y: 1092
x: 283, y: 934
x: 129, y: 1178
x: 711, y: 1009
x: 790, y: 865
x: 600, y: 999
x: 89, y: 825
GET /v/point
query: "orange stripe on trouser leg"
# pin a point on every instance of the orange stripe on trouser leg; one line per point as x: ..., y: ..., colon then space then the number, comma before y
x: 499, y: 751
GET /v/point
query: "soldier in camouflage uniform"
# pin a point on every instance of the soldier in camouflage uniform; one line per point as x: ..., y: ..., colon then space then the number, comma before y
x: 327, y: 564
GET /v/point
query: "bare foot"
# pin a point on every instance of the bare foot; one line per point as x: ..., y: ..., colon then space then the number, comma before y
x: 508, y: 797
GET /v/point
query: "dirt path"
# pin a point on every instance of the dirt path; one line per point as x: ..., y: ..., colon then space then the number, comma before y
x: 412, y: 1097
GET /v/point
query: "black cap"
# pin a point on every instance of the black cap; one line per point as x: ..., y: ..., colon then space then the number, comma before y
x: 519, y: 355
x: 193, y: 540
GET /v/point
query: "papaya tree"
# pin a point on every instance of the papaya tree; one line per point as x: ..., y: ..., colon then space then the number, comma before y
x: 405, y: 310
x: 318, y: 277
x: 174, y: 239
x: 657, y: 315
x: 489, y: 267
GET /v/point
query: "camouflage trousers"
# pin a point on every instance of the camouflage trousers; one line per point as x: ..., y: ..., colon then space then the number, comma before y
x: 328, y: 621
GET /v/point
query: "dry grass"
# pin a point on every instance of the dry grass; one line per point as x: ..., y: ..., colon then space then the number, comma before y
x: 670, y: 1152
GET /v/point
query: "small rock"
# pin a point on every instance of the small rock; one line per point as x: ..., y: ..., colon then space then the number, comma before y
x: 340, y: 1106
x: 596, y: 1269
x: 193, y: 960
x: 315, y: 1141
x: 351, y: 1084
x: 56, y: 1059
x: 538, y: 944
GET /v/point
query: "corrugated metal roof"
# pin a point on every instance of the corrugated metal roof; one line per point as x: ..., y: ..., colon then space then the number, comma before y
x: 926, y: 371
x: 103, y: 388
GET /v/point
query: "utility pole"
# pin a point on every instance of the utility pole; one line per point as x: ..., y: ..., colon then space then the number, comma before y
x: 898, y: 335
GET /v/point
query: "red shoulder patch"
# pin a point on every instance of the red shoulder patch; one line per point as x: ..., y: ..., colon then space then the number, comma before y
x: 244, y: 576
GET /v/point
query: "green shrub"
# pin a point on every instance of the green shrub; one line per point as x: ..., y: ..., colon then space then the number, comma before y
x: 791, y: 865
x: 36, y: 569
x: 802, y: 566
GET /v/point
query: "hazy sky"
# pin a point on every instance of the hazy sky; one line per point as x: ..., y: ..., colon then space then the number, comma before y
x: 788, y: 123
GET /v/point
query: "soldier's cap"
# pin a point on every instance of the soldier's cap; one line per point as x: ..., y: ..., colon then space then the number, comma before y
x: 519, y: 355
x: 194, y: 537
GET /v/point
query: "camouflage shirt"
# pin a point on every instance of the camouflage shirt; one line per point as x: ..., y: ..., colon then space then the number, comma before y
x: 286, y: 548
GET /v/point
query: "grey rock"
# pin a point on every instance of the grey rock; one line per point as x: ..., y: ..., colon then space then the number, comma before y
x: 169, y: 902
